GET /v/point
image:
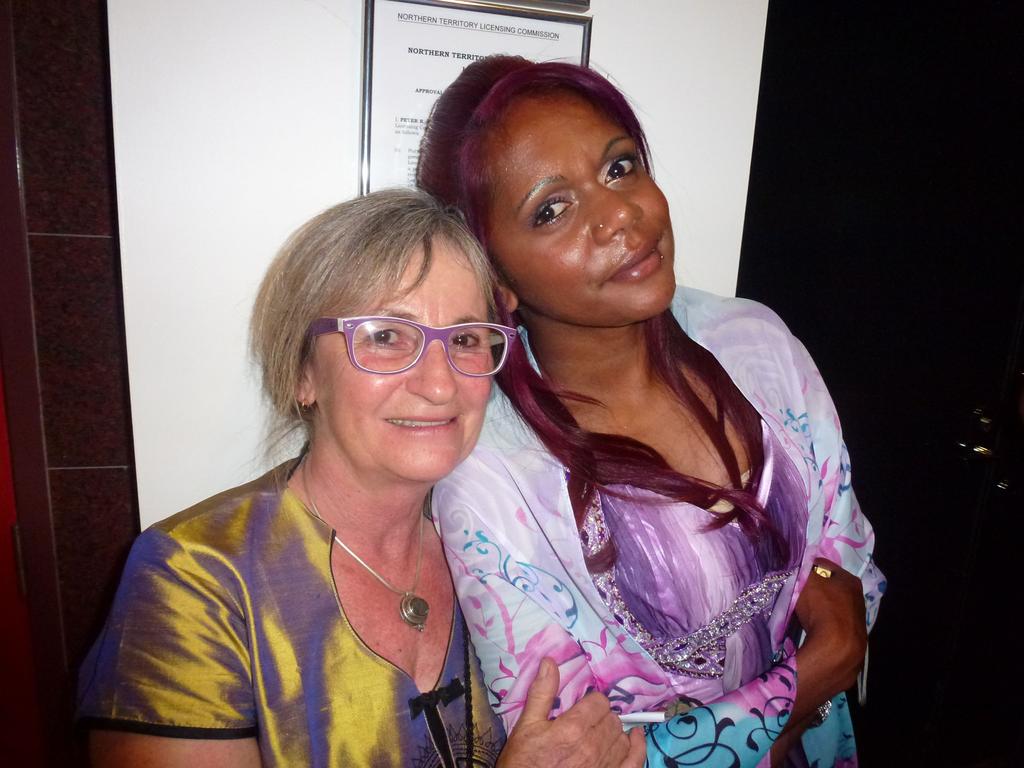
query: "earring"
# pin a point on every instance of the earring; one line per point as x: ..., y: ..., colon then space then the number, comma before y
x: 306, y: 407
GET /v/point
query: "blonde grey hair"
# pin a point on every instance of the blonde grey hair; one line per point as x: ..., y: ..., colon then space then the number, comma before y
x: 341, y: 263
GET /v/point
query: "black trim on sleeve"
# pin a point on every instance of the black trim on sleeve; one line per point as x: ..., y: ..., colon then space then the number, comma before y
x: 159, y: 729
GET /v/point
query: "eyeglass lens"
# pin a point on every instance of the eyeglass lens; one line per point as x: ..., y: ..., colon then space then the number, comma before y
x: 386, y: 346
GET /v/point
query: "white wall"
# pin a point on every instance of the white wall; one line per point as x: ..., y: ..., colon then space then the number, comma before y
x: 235, y: 121
x: 691, y: 68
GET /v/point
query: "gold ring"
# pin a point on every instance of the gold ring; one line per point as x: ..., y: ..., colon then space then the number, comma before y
x: 825, y: 573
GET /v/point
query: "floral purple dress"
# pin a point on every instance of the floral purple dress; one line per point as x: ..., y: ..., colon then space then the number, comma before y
x: 689, y: 621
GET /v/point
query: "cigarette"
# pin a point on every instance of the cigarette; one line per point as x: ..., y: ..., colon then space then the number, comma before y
x: 634, y: 718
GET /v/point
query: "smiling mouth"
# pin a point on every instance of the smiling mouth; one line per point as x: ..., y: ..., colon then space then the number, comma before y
x: 640, y: 264
x: 420, y: 424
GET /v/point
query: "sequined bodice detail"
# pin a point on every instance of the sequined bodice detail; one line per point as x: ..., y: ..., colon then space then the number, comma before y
x: 700, y: 653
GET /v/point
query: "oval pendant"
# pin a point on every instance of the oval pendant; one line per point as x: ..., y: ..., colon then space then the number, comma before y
x: 414, y: 610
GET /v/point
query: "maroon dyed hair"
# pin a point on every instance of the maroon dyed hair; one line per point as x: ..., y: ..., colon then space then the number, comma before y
x: 451, y: 167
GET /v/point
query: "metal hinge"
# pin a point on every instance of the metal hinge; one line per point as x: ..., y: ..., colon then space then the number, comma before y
x: 19, y: 563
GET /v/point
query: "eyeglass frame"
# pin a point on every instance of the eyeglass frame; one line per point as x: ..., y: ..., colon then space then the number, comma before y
x: 431, y: 333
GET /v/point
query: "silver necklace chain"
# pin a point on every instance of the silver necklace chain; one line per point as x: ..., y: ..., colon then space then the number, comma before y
x: 381, y: 579
x: 412, y: 609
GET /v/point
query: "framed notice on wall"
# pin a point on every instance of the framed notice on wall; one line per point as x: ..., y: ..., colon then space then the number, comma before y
x: 412, y: 49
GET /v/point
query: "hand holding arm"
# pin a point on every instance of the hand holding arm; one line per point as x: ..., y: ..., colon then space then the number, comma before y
x: 587, y: 735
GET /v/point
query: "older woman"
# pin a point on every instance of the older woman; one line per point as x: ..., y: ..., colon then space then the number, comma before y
x: 307, y: 618
x: 666, y: 484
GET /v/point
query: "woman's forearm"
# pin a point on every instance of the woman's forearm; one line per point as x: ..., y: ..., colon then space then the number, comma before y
x: 831, y: 610
x: 122, y: 749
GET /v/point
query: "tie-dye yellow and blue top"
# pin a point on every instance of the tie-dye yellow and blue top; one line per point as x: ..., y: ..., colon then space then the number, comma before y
x: 227, y: 624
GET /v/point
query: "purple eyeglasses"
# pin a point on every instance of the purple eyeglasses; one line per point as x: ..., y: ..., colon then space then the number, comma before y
x: 393, y: 345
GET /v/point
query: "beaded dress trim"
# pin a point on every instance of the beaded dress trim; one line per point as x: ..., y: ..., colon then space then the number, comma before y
x: 700, y: 653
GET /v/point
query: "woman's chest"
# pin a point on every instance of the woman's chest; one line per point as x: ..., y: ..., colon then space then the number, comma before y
x: 674, y: 570
x: 699, y: 600
x: 325, y: 696
x: 381, y: 618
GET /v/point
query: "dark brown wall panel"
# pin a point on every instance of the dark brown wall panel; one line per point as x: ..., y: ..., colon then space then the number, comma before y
x: 63, y: 94
x: 94, y: 514
x: 78, y: 485
x: 81, y: 350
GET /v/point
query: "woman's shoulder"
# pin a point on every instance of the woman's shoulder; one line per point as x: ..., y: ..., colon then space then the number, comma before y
x: 489, y: 469
x: 771, y: 367
x: 224, y: 522
x: 503, y: 490
x: 504, y: 430
x: 701, y: 313
x: 740, y: 332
